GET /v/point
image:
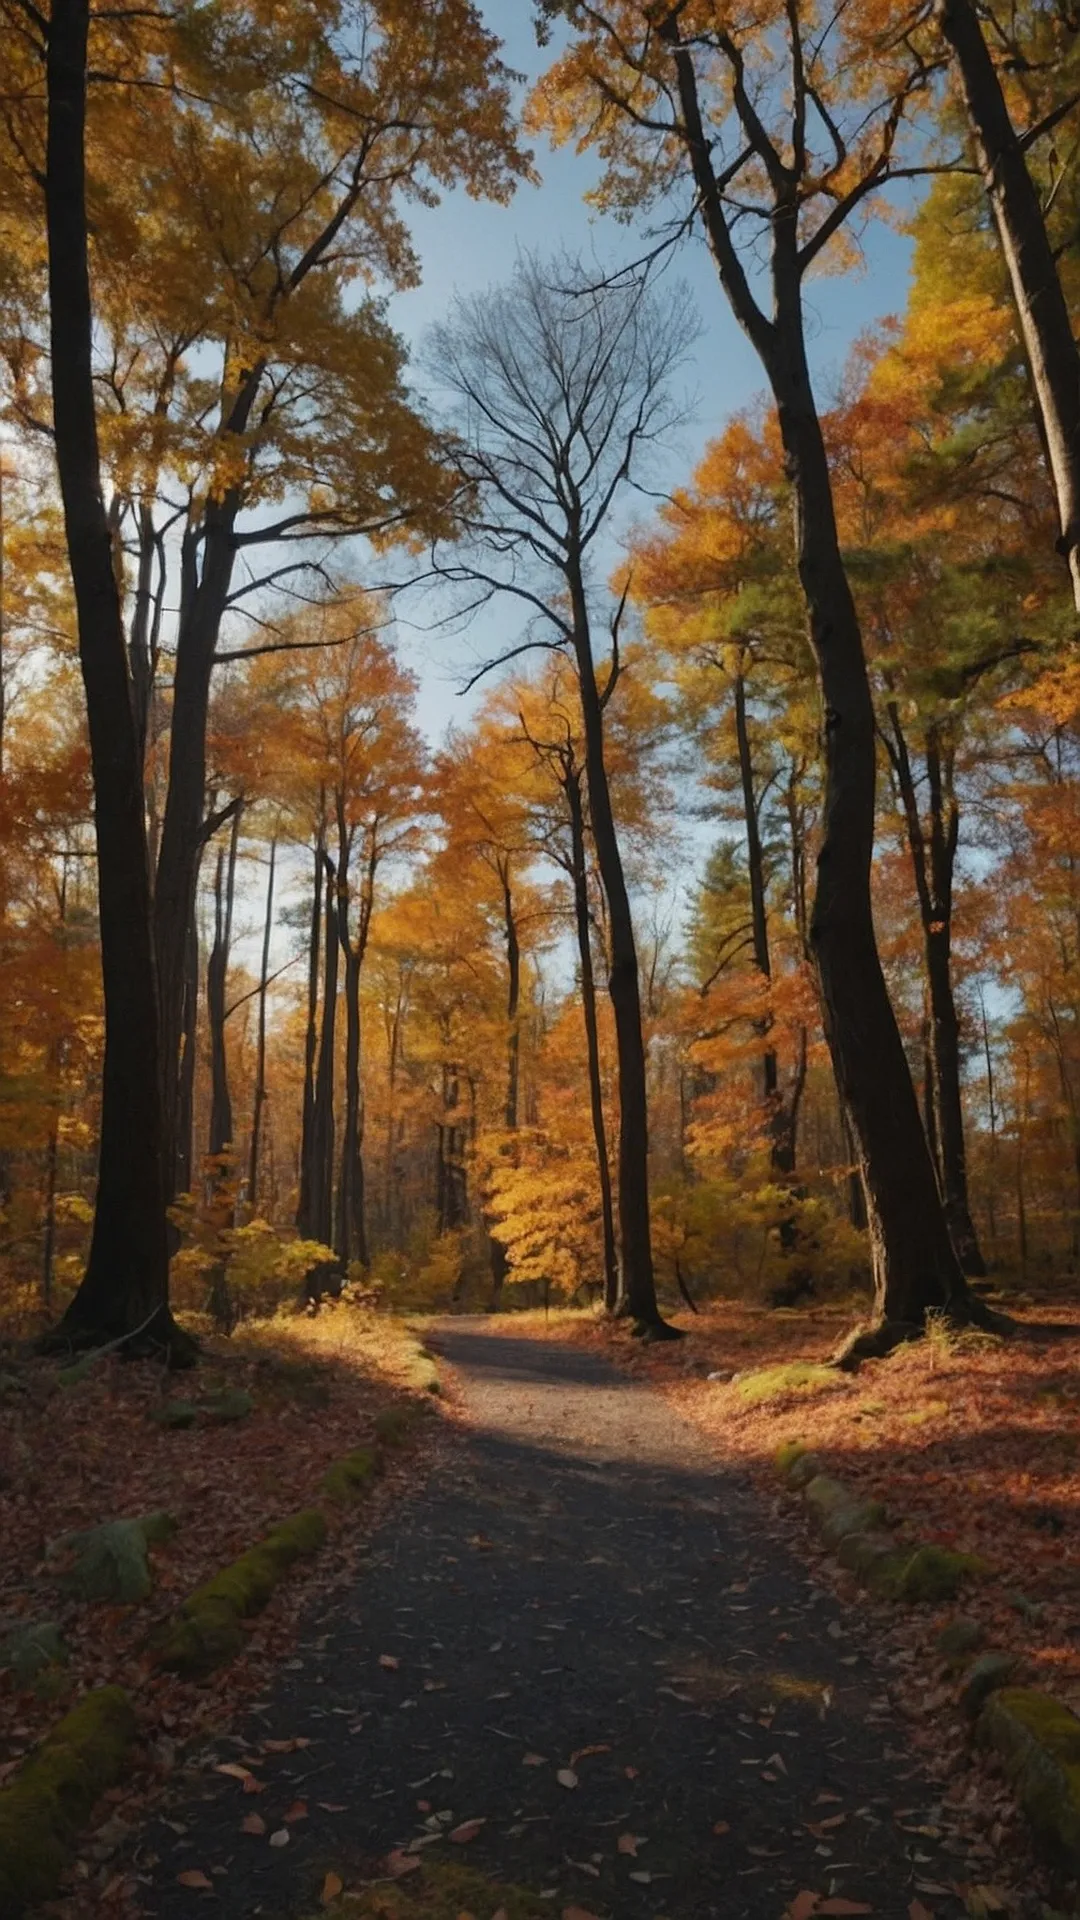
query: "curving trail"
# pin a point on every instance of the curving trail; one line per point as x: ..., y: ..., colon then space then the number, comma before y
x: 579, y: 1574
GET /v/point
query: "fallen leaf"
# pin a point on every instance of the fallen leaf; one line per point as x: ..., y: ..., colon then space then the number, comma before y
x: 583, y: 1752
x: 627, y: 1843
x: 467, y: 1831
x: 534, y: 1760
x: 193, y: 1878
x: 387, y: 1660
x: 296, y: 1745
x: 253, y: 1823
x: 916, y: 1911
x: 721, y: 1826
x: 236, y: 1772
x: 331, y: 1887
x: 840, y: 1905
x: 577, y: 1913
x: 643, y: 1878
x: 280, y: 1837
x: 632, y: 1773
x: 298, y: 1811
x: 332, y: 1806
x: 399, y: 1862
x: 500, y: 1914
x: 803, y: 1905
x: 566, y: 1777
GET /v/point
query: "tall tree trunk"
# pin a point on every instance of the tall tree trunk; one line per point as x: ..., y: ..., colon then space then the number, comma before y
x: 217, y: 972
x: 1041, y: 307
x: 933, y: 859
x: 635, y: 1230
x: 513, y: 1053
x: 579, y: 876
x: 351, y: 1223
x: 259, y: 1099
x: 304, y: 1214
x: 915, y: 1265
x: 322, y: 1158
x: 124, y: 1292
x: 185, y: 1120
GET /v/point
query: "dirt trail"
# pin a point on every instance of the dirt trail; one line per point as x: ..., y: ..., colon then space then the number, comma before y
x: 578, y: 1578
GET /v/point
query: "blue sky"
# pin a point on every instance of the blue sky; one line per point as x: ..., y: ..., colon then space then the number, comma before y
x: 466, y: 245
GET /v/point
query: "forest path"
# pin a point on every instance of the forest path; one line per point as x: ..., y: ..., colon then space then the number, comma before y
x: 579, y: 1576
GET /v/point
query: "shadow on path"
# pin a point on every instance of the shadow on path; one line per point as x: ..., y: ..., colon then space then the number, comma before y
x: 578, y: 1578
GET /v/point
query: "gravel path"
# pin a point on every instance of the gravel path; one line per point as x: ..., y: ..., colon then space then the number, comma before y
x: 578, y: 1632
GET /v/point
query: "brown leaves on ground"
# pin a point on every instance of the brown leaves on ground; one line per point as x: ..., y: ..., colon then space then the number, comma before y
x: 91, y: 1452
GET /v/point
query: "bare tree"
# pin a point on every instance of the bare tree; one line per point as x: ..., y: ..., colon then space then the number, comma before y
x: 561, y: 388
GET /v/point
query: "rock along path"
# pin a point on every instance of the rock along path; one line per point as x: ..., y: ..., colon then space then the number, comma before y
x: 581, y: 1590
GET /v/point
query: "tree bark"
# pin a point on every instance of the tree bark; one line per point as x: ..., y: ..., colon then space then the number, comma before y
x: 217, y: 971
x: 259, y: 1099
x: 933, y: 859
x: 304, y: 1205
x: 1040, y: 301
x: 322, y: 1157
x: 513, y: 1053
x: 124, y: 1292
x: 638, y: 1290
x: 579, y: 875
x: 351, y: 1217
x: 185, y: 1121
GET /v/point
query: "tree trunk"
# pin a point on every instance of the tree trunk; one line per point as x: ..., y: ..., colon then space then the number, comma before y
x: 124, y: 1292
x: 513, y: 1054
x: 259, y: 1099
x: 572, y: 789
x: 322, y: 1157
x: 638, y: 1282
x: 304, y: 1215
x: 185, y: 1122
x: 217, y: 972
x: 914, y: 1264
x: 933, y: 859
x: 351, y: 1225
x: 1032, y: 268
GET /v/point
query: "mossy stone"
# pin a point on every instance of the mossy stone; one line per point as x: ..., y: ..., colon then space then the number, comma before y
x: 50, y: 1798
x: 1039, y: 1740
x: 393, y: 1424
x: 838, y: 1511
x: 206, y: 1633
x: 347, y: 1479
x: 797, y: 1376
x: 805, y: 1469
x: 77, y: 1372
x: 873, y: 1556
x: 175, y: 1413
x: 112, y: 1560
x: 31, y: 1647
x: 959, y: 1638
x: 234, y: 1403
x: 989, y: 1674
x: 932, y: 1574
x: 786, y: 1455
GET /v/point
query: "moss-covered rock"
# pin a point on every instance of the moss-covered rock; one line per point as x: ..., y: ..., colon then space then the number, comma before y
x: 50, y: 1798
x: 786, y: 1455
x: 988, y: 1675
x: 175, y: 1413
x: 797, y: 1376
x: 440, y: 1892
x: 931, y: 1573
x: 960, y: 1637
x: 875, y: 1557
x: 394, y: 1424
x: 207, y: 1631
x: 112, y: 1561
x: 838, y: 1511
x: 31, y: 1646
x: 1039, y: 1741
x: 348, y: 1478
x: 233, y: 1403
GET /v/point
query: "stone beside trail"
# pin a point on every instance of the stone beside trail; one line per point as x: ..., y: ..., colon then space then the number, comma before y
x: 581, y: 1634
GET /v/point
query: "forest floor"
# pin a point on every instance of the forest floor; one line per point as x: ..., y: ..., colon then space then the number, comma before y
x: 586, y: 1656
x: 73, y: 1456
